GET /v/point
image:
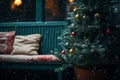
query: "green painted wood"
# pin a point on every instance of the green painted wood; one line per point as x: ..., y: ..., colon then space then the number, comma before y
x: 33, y: 65
x: 60, y: 75
x: 39, y: 10
x: 49, y: 34
x: 28, y: 24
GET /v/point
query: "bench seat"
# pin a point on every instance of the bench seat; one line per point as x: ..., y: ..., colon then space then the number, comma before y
x: 44, y: 60
x: 31, y: 62
x: 28, y: 58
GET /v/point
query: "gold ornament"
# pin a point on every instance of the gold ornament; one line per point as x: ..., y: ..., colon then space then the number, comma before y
x: 77, y: 15
x: 71, y: 51
x: 97, y: 15
x: 74, y: 9
x: 85, y: 17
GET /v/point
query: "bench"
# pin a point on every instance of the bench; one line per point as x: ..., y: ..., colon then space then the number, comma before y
x: 49, y: 30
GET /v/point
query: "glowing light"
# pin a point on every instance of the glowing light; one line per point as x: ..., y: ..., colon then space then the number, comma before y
x: 12, y: 6
x: 54, y: 14
x: 77, y: 15
x: 74, y: 9
x: 71, y: 1
x: 17, y: 2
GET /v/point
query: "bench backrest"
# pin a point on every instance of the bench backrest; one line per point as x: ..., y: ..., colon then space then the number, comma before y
x: 49, y: 32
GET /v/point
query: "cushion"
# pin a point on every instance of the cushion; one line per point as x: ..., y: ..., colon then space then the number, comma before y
x: 28, y: 58
x: 26, y: 44
x: 6, y: 42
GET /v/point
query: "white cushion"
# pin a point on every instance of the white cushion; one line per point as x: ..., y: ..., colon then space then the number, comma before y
x: 26, y: 44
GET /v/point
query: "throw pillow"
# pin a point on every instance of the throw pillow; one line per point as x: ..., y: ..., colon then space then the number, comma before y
x: 26, y: 44
x: 6, y: 42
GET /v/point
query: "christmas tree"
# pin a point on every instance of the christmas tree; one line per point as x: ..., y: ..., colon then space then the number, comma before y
x: 91, y: 39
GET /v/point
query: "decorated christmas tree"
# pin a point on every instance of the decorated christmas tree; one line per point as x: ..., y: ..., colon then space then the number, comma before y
x: 91, y: 39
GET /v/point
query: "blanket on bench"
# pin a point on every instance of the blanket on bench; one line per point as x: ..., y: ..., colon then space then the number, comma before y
x: 28, y: 58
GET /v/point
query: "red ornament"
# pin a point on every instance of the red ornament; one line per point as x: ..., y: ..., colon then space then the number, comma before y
x: 73, y: 34
x: 63, y: 52
x: 108, y: 31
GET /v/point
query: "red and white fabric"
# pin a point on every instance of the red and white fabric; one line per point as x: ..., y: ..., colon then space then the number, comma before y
x: 28, y: 58
x: 6, y: 42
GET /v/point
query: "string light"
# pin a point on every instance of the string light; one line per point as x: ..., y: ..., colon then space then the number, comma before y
x: 17, y: 2
x: 77, y: 15
x: 74, y: 9
x: 71, y: 1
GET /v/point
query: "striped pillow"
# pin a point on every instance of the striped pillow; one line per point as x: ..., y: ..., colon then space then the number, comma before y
x: 6, y: 42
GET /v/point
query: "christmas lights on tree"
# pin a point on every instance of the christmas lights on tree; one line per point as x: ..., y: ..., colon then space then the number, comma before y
x: 91, y: 39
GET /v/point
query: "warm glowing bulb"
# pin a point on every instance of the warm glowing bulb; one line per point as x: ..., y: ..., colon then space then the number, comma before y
x: 77, y: 15
x: 74, y: 9
x: 97, y: 15
x: 71, y: 1
x: 17, y: 2
x: 71, y: 51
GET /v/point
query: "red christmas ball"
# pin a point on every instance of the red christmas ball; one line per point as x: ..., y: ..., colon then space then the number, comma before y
x: 108, y: 31
x: 63, y: 52
x: 73, y: 34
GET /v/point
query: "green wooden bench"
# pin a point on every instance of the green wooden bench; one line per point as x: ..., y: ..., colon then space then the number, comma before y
x: 49, y: 30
